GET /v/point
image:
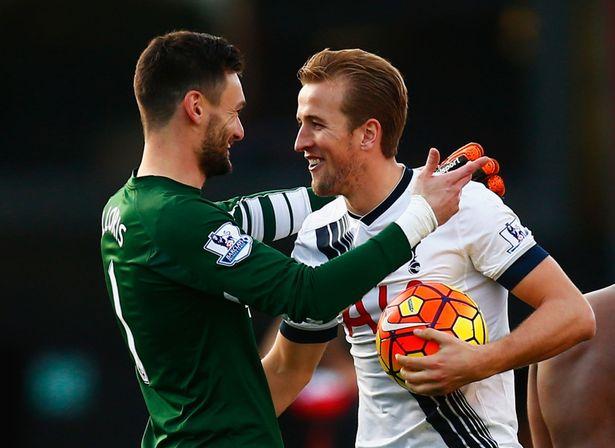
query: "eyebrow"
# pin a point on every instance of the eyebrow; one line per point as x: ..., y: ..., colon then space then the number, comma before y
x: 311, y: 118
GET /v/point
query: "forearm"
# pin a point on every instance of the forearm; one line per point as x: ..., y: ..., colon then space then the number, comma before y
x: 562, y: 318
x: 345, y: 279
x: 272, y: 215
x: 352, y: 274
x: 289, y: 366
x: 556, y: 325
x: 284, y: 384
x: 275, y: 284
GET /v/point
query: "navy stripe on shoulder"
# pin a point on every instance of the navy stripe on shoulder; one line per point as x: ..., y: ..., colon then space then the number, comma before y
x: 523, y: 266
x: 300, y: 336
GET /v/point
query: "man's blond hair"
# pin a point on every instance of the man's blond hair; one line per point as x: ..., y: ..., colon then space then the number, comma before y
x: 374, y: 89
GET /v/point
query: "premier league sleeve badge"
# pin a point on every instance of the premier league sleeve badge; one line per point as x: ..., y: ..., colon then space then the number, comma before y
x: 229, y: 244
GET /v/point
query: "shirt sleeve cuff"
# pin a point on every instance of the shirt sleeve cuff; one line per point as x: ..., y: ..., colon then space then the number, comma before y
x: 522, y: 266
x: 302, y: 336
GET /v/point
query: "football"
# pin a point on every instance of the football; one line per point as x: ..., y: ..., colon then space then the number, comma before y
x: 425, y: 305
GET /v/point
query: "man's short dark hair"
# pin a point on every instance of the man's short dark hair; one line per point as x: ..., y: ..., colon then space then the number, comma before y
x: 176, y: 63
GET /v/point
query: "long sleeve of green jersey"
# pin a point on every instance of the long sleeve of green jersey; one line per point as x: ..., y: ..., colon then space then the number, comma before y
x: 273, y: 215
x: 196, y: 243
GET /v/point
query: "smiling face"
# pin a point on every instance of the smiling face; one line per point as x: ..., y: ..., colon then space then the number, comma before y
x: 223, y: 129
x: 330, y: 147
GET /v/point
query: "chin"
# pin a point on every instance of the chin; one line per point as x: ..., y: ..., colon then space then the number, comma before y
x: 322, y: 190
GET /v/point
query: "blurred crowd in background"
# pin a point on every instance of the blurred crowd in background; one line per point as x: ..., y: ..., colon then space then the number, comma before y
x: 532, y: 81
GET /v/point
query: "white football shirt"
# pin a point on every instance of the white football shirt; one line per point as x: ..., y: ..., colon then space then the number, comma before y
x: 483, y: 250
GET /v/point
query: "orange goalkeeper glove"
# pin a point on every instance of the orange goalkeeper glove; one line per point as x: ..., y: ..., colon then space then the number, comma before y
x: 488, y: 174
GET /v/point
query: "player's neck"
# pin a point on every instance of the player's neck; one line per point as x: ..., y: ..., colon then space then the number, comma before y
x: 374, y: 186
x: 169, y: 154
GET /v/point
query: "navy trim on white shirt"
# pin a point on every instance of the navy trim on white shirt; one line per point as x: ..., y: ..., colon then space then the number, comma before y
x: 522, y: 266
x: 303, y: 336
x: 386, y: 204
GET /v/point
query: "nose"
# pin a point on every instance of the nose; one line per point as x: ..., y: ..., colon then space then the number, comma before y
x: 238, y: 132
x: 304, y: 140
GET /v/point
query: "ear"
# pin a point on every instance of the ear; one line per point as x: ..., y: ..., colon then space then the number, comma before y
x: 194, y: 106
x: 372, y: 132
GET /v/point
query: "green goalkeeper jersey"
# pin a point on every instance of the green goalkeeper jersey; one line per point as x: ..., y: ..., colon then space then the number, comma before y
x: 181, y: 272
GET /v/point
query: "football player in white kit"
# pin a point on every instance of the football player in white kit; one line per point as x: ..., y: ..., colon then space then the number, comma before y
x: 351, y: 112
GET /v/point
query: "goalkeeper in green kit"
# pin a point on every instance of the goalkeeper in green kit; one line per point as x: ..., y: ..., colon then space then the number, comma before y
x: 181, y: 270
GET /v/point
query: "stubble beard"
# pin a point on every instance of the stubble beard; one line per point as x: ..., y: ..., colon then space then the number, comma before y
x: 330, y: 184
x: 213, y: 155
x: 338, y: 182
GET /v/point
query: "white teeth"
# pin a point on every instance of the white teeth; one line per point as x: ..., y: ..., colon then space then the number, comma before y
x: 313, y: 162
